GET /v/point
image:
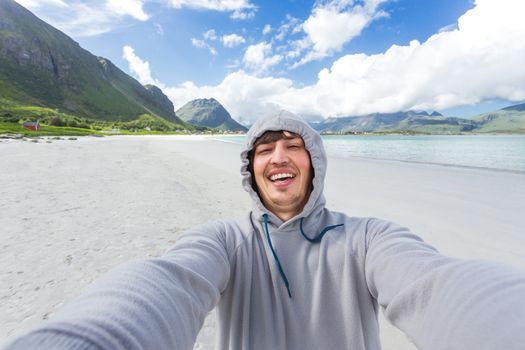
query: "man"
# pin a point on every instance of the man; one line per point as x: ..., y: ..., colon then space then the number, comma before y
x: 293, y: 275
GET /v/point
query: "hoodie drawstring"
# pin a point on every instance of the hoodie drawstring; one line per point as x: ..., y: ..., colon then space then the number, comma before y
x: 316, y: 239
x: 320, y: 235
x: 281, y: 271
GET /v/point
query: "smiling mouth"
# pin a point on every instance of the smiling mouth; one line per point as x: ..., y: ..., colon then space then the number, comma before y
x: 281, y: 177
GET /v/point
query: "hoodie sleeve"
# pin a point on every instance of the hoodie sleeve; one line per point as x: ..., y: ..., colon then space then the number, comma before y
x: 146, y: 304
x: 440, y: 302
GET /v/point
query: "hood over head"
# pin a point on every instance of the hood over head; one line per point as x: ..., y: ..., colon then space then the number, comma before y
x: 314, y: 145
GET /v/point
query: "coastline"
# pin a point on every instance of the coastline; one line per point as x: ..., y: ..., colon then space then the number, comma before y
x: 71, y: 210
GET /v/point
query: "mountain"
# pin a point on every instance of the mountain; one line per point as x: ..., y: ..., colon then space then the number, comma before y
x: 509, y: 119
x: 400, y: 121
x: 515, y: 108
x: 209, y: 113
x: 41, y: 66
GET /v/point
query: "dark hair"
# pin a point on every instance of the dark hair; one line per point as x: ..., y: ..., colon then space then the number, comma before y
x: 270, y: 137
x: 274, y: 136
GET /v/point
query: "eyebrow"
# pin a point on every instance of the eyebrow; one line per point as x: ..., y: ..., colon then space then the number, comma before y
x: 283, y: 139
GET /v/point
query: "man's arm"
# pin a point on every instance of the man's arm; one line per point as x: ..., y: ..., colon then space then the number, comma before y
x: 147, y: 304
x: 440, y: 302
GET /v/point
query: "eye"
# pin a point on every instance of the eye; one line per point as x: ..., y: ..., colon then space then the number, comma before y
x: 294, y: 146
x: 263, y: 150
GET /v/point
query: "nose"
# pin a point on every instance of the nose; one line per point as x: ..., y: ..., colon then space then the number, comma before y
x: 280, y: 154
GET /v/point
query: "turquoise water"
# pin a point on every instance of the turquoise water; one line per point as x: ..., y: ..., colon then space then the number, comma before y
x: 503, y: 152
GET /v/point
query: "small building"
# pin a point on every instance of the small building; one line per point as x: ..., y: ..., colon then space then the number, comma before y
x: 31, y: 126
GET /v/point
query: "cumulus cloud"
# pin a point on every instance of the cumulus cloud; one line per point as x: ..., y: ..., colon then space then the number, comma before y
x: 240, y: 9
x: 245, y: 96
x: 259, y: 57
x: 232, y: 40
x: 467, y: 65
x: 334, y: 23
x: 139, y: 68
x: 463, y: 66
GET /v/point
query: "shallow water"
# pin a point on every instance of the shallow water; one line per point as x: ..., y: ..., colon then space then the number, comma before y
x: 501, y: 152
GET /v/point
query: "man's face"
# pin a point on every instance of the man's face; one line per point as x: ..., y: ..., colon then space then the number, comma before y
x: 283, y: 175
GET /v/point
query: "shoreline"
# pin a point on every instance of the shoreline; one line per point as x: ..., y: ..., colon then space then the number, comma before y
x: 471, y: 167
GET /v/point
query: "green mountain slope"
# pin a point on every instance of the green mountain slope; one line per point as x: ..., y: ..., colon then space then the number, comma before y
x: 507, y: 119
x: 209, y: 113
x: 41, y: 66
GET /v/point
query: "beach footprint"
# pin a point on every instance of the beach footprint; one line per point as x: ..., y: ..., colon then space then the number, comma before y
x: 68, y: 259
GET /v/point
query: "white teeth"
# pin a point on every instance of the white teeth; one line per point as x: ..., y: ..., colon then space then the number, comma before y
x: 280, y: 176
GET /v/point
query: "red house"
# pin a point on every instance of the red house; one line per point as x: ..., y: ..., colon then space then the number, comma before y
x: 31, y: 126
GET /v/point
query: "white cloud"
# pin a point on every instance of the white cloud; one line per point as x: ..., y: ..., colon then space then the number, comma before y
x: 242, y: 14
x: 480, y: 60
x: 292, y: 25
x: 81, y: 18
x: 259, y: 58
x: 85, y: 20
x: 159, y: 29
x: 217, y: 5
x: 473, y: 63
x: 232, y: 40
x: 93, y: 17
x: 201, y: 44
x: 336, y: 22
x: 138, y: 67
x: 246, y: 97
x: 240, y: 9
x: 267, y: 29
x: 448, y: 28
x: 39, y: 3
x: 296, y: 48
x: 210, y: 35
x: 131, y: 8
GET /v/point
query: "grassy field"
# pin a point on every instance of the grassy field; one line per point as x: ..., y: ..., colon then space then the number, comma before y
x: 56, y: 123
x: 15, y: 128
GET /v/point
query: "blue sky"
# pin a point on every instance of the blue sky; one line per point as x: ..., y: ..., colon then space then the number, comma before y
x: 327, y: 58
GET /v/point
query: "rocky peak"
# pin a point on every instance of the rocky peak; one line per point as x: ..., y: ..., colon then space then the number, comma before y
x: 159, y: 98
x: 210, y: 113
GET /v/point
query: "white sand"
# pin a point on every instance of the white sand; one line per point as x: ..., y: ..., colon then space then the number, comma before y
x: 70, y: 210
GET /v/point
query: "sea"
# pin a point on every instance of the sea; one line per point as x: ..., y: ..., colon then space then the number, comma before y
x: 496, y: 152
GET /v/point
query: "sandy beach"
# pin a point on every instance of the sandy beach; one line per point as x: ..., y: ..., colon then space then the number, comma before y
x: 72, y: 209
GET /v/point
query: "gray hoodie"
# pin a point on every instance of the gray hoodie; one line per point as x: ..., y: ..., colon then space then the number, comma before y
x: 315, y: 281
